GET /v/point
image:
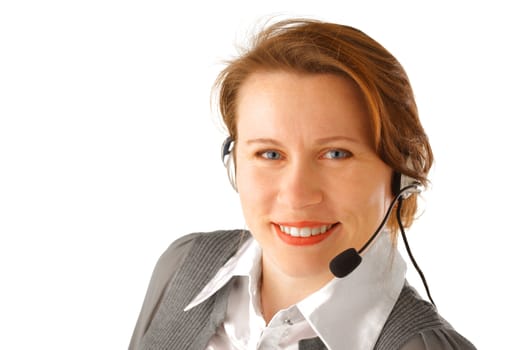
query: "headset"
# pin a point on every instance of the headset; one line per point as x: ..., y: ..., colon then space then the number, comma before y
x: 228, y: 161
x: 403, y: 186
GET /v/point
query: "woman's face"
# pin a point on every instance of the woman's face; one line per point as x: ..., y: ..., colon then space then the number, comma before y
x: 309, y: 180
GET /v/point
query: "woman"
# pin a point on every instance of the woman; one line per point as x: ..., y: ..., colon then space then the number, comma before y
x: 324, y: 140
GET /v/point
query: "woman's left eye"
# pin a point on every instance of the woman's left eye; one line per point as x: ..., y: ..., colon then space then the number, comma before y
x: 337, y: 154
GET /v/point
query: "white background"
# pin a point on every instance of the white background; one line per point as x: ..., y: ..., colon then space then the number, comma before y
x: 109, y: 150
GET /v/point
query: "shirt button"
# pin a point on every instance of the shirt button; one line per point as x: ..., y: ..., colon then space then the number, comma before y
x: 288, y: 321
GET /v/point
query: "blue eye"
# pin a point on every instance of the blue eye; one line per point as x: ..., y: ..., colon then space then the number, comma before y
x: 337, y: 154
x: 270, y: 155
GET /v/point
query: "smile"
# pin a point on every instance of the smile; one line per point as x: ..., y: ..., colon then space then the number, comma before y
x: 305, y: 231
x: 302, y: 234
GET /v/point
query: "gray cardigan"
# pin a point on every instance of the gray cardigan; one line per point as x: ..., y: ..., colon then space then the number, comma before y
x: 191, y: 261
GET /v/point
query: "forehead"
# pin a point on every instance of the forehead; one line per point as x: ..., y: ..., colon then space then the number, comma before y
x: 284, y: 104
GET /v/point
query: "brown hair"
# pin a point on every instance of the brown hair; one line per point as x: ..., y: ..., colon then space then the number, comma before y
x: 312, y: 47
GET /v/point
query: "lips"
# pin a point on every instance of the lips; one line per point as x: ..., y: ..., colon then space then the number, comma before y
x: 304, y: 233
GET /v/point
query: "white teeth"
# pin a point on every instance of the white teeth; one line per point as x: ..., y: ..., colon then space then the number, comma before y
x: 304, y: 231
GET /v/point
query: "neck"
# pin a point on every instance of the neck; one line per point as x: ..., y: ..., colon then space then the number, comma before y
x: 280, y: 290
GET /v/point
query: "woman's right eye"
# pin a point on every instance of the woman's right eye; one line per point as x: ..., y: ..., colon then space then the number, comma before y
x: 270, y: 155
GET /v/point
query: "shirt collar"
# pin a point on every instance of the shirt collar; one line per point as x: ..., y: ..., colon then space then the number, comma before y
x: 347, y: 313
x: 350, y: 312
x: 246, y: 262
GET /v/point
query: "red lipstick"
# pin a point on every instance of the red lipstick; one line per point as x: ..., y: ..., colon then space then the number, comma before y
x: 303, y: 241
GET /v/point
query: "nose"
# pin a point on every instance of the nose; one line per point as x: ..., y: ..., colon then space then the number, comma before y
x: 300, y: 185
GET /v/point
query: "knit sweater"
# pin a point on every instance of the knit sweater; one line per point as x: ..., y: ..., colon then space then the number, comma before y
x: 190, y: 262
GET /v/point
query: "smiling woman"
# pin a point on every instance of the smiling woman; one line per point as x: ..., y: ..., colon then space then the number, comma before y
x: 308, y: 118
x: 324, y: 136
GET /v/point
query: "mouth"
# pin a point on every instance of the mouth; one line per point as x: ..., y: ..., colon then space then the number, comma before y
x: 304, y: 233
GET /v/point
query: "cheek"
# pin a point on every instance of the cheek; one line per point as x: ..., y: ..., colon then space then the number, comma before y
x: 358, y: 194
x: 255, y: 192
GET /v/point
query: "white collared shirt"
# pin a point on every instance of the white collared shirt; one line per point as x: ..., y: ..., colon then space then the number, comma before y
x: 347, y: 313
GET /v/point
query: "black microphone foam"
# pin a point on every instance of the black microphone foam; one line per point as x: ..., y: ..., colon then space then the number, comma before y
x: 345, y: 262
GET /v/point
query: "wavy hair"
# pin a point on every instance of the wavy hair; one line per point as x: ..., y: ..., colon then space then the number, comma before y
x: 315, y: 47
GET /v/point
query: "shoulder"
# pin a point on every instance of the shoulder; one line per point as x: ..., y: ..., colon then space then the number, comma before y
x: 200, y: 245
x: 177, y: 251
x: 438, y: 339
x: 415, y: 324
x: 201, y: 248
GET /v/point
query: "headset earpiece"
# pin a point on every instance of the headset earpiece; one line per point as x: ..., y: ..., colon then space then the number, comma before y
x: 405, y: 184
x: 228, y: 160
x: 396, y: 183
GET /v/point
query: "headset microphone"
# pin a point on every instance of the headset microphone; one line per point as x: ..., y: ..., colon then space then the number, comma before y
x: 344, y: 263
x: 348, y: 260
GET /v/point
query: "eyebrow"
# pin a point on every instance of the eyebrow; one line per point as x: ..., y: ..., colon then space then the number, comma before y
x: 337, y: 138
x: 264, y: 141
x: 320, y: 141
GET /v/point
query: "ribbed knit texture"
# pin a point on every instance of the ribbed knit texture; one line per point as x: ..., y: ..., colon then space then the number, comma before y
x: 172, y: 328
x: 409, y: 316
x: 312, y: 344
